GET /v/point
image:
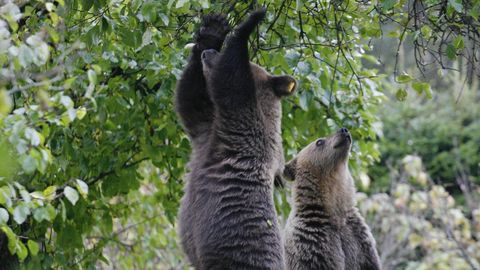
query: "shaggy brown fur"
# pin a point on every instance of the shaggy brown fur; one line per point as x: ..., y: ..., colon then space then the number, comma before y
x: 227, y: 217
x: 324, y: 229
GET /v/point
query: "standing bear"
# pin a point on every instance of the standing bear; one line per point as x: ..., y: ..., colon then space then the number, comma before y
x: 324, y: 229
x: 231, y: 110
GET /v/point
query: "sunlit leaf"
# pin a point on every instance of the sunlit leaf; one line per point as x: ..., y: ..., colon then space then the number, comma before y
x: 401, y: 94
x: 33, y: 247
x: 3, y: 216
x: 82, y: 187
x: 71, y: 194
x: 404, y: 78
x: 21, y: 213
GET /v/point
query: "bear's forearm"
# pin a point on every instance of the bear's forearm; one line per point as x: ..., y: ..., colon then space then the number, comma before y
x: 192, y: 101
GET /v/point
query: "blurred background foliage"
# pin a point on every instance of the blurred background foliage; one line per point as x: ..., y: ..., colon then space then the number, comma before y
x: 92, y: 155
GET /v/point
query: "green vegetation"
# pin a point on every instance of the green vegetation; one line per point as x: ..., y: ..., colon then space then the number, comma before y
x: 443, y: 132
x: 91, y: 152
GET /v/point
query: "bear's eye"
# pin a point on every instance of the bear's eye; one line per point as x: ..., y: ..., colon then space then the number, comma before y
x: 320, y: 142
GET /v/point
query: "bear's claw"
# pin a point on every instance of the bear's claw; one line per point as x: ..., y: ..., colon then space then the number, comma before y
x: 212, y: 32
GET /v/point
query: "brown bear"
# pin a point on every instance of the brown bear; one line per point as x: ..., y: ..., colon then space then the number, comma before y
x: 324, y: 229
x: 231, y: 110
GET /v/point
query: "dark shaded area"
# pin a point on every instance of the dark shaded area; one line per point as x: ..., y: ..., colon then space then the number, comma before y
x: 7, y: 261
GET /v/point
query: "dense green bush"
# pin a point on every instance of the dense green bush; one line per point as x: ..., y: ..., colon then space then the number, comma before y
x: 444, y: 132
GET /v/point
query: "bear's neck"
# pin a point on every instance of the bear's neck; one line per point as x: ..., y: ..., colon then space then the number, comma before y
x: 248, y: 132
x: 334, y: 194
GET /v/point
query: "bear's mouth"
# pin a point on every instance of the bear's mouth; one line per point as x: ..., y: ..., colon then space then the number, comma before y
x: 208, y: 57
x: 346, y: 140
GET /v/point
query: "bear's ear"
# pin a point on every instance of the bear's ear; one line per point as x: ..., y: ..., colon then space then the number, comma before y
x: 290, y: 169
x: 283, y: 85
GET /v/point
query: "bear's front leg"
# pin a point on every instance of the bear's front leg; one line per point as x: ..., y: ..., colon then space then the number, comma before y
x: 193, y: 104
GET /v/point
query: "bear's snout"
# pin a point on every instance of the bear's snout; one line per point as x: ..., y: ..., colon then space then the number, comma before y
x: 209, y: 54
x: 346, y: 134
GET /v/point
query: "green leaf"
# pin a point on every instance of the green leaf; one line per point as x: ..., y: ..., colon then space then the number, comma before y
x: 22, y: 251
x: 33, y: 247
x: 81, y: 112
x: 3, y: 216
x: 71, y: 194
x: 393, y: 34
x: 426, y: 31
x: 40, y: 214
x: 146, y: 37
x: 25, y: 196
x: 52, y: 213
x: 149, y: 12
x: 6, y: 196
x: 420, y: 87
x: 29, y: 165
x: 451, y: 52
x: 459, y: 43
x: 401, y: 94
x: 9, y: 233
x: 92, y: 76
x: 370, y: 58
x: 34, y: 137
x: 38, y: 195
x: 12, y: 239
x: 82, y: 187
x: 50, y: 192
x: 404, y: 78
x: 21, y: 213
x: 428, y: 92
x: 164, y: 19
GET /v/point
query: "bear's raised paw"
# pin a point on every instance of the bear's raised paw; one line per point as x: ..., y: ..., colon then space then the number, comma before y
x: 212, y: 32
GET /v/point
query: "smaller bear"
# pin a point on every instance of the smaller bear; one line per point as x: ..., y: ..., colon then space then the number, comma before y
x: 325, y: 229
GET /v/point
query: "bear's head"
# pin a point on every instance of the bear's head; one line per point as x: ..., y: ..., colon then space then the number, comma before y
x: 320, y: 173
x: 323, y: 157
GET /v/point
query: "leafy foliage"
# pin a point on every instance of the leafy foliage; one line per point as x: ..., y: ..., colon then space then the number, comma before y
x: 444, y: 133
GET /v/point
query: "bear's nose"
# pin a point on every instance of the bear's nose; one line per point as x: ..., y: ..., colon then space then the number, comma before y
x: 343, y: 130
x: 208, y: 53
